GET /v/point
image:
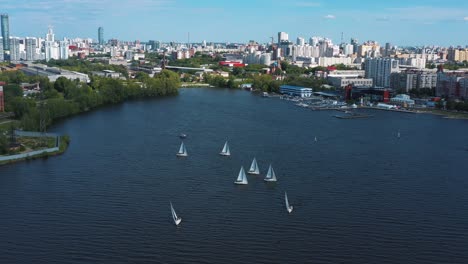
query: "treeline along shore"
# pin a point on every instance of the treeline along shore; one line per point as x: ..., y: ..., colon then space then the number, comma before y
x: 64, y: 98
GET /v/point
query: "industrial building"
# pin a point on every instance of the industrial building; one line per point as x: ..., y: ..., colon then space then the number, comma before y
x: 296, y: 90
x: 341, y: 79
x: 54, y: 73
x: 107, y: 73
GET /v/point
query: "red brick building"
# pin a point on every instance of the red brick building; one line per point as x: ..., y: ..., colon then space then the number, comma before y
x: 2, y: 100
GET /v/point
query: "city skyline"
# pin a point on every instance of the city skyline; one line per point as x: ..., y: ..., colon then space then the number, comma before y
x: 429, y: 22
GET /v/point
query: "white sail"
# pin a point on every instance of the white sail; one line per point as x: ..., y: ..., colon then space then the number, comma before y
x: 315, y: 139
x: 254, y: 167
x: 182, y: 151
x: 241, y: 178
x: 289, y: 208
x: 176, y: 219
x: 225, y: 151
x: 271, y: 176
x: 398, y: 134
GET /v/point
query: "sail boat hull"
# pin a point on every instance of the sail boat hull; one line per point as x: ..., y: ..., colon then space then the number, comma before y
x: 177, y: 221
x: 241, y: 183
x: 181, y: 155
x: 224, y: 154
x: 290, y: 209
x: 270, y: 180
x: 253, y: 172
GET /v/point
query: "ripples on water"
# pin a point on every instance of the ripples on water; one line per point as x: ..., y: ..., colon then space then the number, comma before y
x: 360, y: 195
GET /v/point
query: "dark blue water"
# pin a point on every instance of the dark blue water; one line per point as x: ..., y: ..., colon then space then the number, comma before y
x: 360, y: 194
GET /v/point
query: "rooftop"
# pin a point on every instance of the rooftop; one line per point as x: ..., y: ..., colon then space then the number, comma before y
x: 294, y: 87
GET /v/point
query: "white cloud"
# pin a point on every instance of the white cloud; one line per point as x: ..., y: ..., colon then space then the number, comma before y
x: 329, y: 17
x: 465, y: 18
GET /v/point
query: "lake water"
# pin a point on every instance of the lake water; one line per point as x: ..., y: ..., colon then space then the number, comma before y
x: 360, y: 194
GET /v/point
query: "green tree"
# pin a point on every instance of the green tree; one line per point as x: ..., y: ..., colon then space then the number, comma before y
x: 62, y: 83
x: 3, y: 143
x: 20, y: 106
x: 12, y: 90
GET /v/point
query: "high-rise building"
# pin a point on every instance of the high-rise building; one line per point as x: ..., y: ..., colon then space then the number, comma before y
x: 63, y: 50
x: 388, y: 48
x: 51, y: 48
x: 50, y: 36
x: 5, y: 35
x: 5, y: 32
x: 355, y: 44
x: 31, y: 47
x: 348, y: 49
x: 300, y: 41
x: 1, y: 50
x: 101, y: 35
x: 380, y: 69
x: 283, y: 37
x: 14, y: 49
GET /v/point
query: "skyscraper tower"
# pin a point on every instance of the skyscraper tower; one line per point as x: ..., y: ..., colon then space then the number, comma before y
x: 2, y: 56
x: 101, y: 35
x: 50, y: 35
x: 5, y: 34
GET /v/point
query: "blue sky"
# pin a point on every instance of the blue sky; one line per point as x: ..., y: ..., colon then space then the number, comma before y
x: 401, y: 22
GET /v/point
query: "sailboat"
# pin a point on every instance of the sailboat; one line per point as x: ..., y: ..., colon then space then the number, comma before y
x: 176, y: 219
x: 271, y: 176
x: 225, y: 151
x: 254, y: 168
x: 398, y: 134
x: 182, y: 151
x: 315, y: 139
x: 242, y: 178
x: 288, y: 207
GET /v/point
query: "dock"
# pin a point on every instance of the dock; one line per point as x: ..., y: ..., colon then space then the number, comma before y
x: 353, y: 116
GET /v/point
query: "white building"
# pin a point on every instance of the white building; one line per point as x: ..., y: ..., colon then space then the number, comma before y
x: 300, y: 41
x: 63, y: 50
x: 283, y: 36
x: 348, y: 49
x: 402, y: 99
x: 296, y: 90
x: 14, y: 49
x: 328, y: 61
x: 342, y: 78
x: 380, y: 69
x: 51, y: 48
x: 31, y: 49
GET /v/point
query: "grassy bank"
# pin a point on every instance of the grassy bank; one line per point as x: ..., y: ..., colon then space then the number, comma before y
x: 64, y: 142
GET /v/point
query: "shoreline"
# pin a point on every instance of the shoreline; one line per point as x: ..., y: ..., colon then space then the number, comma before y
x: 64, y: 143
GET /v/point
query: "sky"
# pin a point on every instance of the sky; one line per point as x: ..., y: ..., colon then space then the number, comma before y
x: 400, y: 22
